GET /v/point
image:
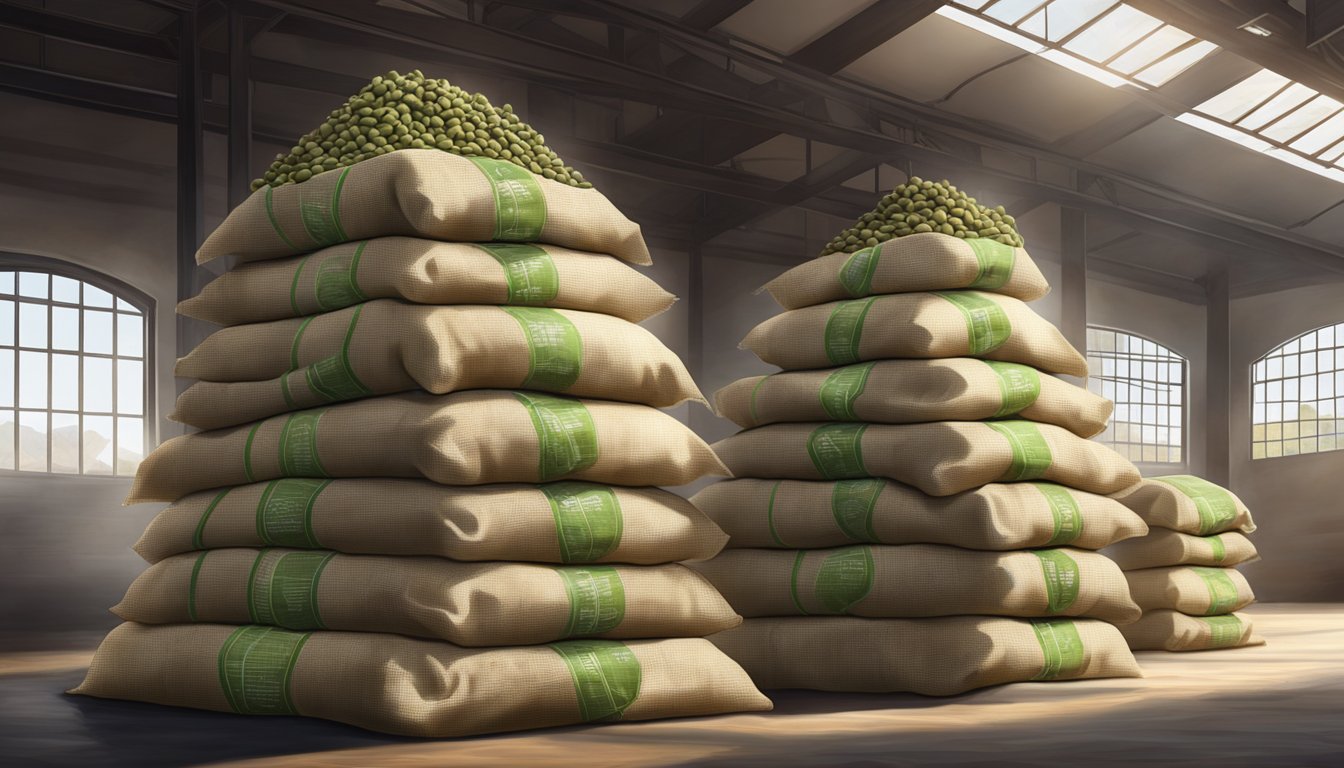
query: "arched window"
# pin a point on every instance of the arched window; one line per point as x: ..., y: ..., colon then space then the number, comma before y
x: 76, y: 369
x: 1297, y: 396
x: 1147, y: 381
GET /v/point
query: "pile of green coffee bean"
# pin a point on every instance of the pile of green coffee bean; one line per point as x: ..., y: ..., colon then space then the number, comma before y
x: 411, y: 111
x: 926, y: 206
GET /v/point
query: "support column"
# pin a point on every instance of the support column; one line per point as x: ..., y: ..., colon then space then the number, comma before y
x: 240, y: 108
x: 1218, y: 384
x: 190, y: 177
x: 1073, y: 282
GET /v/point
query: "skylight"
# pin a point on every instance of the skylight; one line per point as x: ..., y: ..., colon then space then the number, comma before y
x: 1108, y: 41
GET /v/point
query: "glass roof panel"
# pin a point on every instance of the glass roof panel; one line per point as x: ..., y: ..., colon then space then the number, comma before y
x: 1301, y: 119
x: 1291, y: 98
x: 1034, y: 25
x: 1063, y: 18
x: 1011, y: 11
x: 1321, y: 136
x: 1112, y: 33
x: 1242, y: 97
x: 1175, y: 64
x: 1157, y: 45
x: 972, y: 4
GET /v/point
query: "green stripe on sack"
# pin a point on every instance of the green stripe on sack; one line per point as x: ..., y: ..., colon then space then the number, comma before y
x: 770, y: 514
x: 837, y: 451
x: 987, y: 325
x: 282, y: 589
x: 1019, y: 386
x: 596, y: 599
x: 520, y: 205
x: 852, y: 504
x: 1219, y: 548
x: 333, y: 378
x: 588, y: 520
x: 1064, y: 510
x: 1061, y: 648
x: 294, y: 285
x: 1222, y: 590
x: 336, y: 284
x: 844, y: 329
x: 1031, y: 454
x: 191, y: 585
x: 606, y: 676
x: 320, y: 210
x: 996, y: 263
x: 198, y: 536
x: 275, y: 223
x: 1215, y: 504
x: 755, y: 418
x: 298, y: 445
x: 841, y: 388
x: 255, y: 668
x: 1061, y: 578
x: 856, y: 274
x: 844, y: 578
x: 1224, y: 631
x: 566, y: 435
x: 554, y: 348
x: 247, y: 452
x: 285, y: 512
x: 529, y: 272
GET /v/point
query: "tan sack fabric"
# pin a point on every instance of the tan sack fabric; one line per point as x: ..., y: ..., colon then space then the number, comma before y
x: 796, y: 514
x: 565, y: 522
x: 249, y: 372
x: 940, y: 458
x: 430, y: 194
x: 1188, y: 504
x: 416, y: 687
x: 915, y: 580
x: 469, y: 604
x: 928, y: 261
x: 918, y: 325
x: 1190, y: 589
x: 935, y: 657
x: 911, y: 391
x: 427, y: 272
x: 1163, y: 547
x: 466, y: 438
x: 1172, y: 631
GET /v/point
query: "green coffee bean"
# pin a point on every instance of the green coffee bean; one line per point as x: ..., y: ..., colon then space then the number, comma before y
x: 921, y: 205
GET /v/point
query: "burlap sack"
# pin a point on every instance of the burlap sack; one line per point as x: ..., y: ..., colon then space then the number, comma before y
x: 566, y: 522
x: 1172, y: 631
x: 427, y: 272
x: 1163, y: 547
x: 466, y: 438
x: 934, y: 657
x: 249, y: 372
x: 928, y: 261
x: 915, y: 580
x: 939, y: 458
x: 468, y: 604
x: 1192, y: 590
x: 918, y: 325
x: 799, y: 514
x: 1188, y: 504
x: 416, y: 687
x: 910, y: 391
x: 430, y: 194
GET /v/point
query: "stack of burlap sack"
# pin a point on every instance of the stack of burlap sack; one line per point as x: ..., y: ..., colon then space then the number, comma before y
x: 421, y: 504
x: 1183, y: 573
x: 917, y: 507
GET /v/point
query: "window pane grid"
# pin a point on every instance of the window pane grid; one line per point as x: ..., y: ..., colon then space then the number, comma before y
x: 1297, y: 396
x: 1146, y: 381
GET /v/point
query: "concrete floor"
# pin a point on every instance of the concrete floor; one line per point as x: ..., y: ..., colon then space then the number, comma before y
x: 1280, y: 704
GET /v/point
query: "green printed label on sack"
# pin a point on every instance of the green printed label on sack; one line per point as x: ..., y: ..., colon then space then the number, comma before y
x: 566, y: 435
x: 320, y: 209
x: 1061, y: 578
x: 520, y: 205
x: 529, y: 272
x: 1064, y: 510
x: 844, y: 578
x: 596, y: 599
x: 298, y: 445
x: 852, y: 504
x: 837, y: 451
x: 606, y: 676
x: 333, y: 379
x: 1061, y: 648
x: 335, y: 283
x: 282, y: 589
x: 1224, y: 631
x: 588, y: 520
x: 1219, y: 549
x: 554, y: 348
x: 1222, y: 590
x: 255, y: 667
x: 856, y: 274
x: 285, y: 512
x: 841, y: 388
x: 844, y: 330
x: 1019, y: 386
x: 1215, y: 505
x: 995, y: 260
x: 1031, y: 457
x: 987, y: 325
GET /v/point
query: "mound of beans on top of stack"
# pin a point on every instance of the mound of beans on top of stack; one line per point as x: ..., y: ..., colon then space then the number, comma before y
x: 921, y: 206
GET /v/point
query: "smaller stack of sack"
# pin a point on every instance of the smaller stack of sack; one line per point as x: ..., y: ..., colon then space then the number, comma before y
x: 921, y: 513
x: 1183, y: 573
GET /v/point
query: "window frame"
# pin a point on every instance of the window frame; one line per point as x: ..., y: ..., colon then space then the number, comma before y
x: 1338, y: 434
x: 1184, y: 401
x: 14, y: 261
